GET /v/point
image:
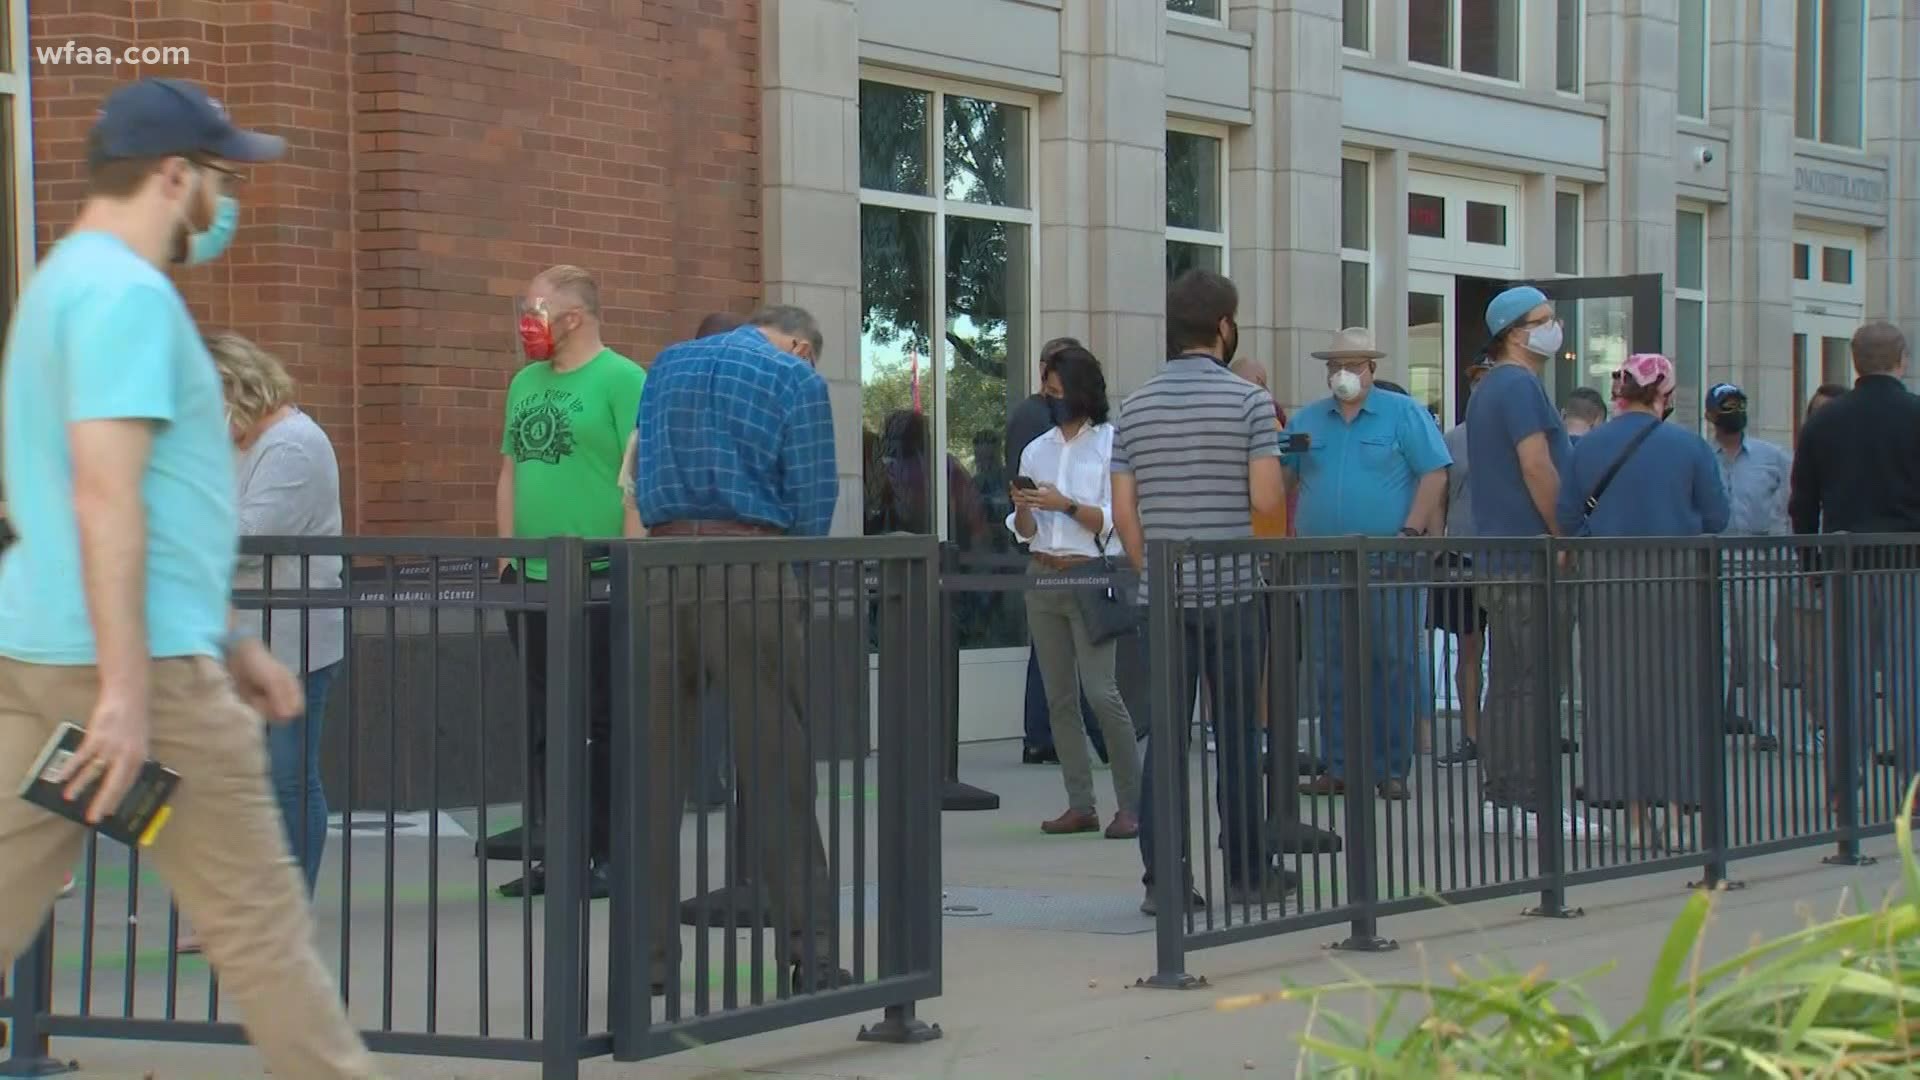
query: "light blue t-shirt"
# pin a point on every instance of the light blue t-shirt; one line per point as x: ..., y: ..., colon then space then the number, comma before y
x: 100, y: 334
x: 1358, y: 477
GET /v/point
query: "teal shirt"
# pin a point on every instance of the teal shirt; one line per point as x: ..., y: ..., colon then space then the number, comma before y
x: 100, y: 334
x: 1358, y: 479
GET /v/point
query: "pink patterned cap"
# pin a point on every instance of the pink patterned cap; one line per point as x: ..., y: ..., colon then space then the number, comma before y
x: 1649, y: 369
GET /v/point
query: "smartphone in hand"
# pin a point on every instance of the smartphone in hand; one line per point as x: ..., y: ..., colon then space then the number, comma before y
x: 1297, y: 443
x: 1025, y: 483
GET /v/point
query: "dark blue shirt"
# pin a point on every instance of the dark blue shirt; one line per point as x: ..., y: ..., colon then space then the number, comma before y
x: 734, y: 429
x: 1670, y: 486
x: 1359, y: 477
x: 1508, y: 406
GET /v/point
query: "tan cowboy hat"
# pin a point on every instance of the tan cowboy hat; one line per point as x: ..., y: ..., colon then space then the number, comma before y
x: 1353, y: 342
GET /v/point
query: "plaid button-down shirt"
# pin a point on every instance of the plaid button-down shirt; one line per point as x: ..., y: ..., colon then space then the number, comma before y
x: 733, y: 429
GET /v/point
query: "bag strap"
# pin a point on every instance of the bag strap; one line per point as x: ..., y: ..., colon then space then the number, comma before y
x: 1606, y: 478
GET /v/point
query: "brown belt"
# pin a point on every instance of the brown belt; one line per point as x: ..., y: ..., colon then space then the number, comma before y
x: 1060, y: 562
x: 713, y: 528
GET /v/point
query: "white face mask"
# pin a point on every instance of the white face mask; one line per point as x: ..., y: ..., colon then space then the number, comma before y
x: 1344, y: 384
x: 1544, y: 340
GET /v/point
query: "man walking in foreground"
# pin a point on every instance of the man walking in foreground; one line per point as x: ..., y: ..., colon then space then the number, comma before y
x: 114, y: 602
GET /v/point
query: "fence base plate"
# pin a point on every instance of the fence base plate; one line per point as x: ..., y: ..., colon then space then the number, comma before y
x: 744, y: 904
x: 1723, y: 885
x: 959, y: 795
x: 40, y: 1066
x: 1542, y: 911
x: 1850, y: 860
x: 1178, y: 980
x: 891, y: 1030
x: 1366, y: 943
x: 505, y: 846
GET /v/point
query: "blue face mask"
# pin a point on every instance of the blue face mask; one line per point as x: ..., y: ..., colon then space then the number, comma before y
x: 207, y: 246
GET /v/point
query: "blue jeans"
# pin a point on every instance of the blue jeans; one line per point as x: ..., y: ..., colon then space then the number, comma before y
x: 1228, y: 644
x: 1392, y: 674
x: 1039, y: 725
x: 293, y: 757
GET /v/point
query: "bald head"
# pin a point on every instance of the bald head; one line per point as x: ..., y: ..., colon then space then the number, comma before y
x: 1251, y: 370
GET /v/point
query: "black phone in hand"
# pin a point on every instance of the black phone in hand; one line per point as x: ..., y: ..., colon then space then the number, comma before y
x: 1297, y: 443
x: 1025, y: 483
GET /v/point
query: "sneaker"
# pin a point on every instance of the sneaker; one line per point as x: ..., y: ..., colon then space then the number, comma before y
x: 1279, y: 885
x: 1497, y: 820
x: 1466, y: 753
x: 1575, y: 825
x: 1765, y: 744
x: 1195, y: 902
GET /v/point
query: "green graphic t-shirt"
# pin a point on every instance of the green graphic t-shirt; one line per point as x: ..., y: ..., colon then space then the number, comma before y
x: 566, y: 434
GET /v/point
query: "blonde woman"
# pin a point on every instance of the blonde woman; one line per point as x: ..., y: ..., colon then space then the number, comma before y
x: 289, y: 485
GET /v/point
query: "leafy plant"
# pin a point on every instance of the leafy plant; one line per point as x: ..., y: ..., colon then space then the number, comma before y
x: 1837, y: 999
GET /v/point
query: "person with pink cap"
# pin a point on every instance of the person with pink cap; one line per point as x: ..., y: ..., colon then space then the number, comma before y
x: 1642, y: 617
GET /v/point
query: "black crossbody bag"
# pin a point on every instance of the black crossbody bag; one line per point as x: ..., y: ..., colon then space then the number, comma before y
x: 1606, y: 478
x: 1110, y: 612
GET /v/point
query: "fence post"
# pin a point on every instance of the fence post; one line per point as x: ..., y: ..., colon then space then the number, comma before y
x: 1356, y: 722
x: 1170, y: 721
x: 27, y: 1051
x: 908, y: 825
x: 629, y: 1000
x: 1714, y: 794
x: 563, y: 1012
x: 1548, y: 841
x: 1844, y: 770
x: 955, y: 794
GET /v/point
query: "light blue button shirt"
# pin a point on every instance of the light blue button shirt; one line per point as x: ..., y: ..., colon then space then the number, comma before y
x: 100, y: 334
x: 1756, y: 479
x: 1359, y: 477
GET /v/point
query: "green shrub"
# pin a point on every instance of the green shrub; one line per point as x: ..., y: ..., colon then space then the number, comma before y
x: 1837, y: 999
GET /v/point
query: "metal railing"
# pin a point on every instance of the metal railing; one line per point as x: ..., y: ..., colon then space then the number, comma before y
x: 434, y: 767
x: 1619, y: 737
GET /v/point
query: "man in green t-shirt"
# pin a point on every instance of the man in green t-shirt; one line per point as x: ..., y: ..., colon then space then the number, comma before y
x: 569, y: 412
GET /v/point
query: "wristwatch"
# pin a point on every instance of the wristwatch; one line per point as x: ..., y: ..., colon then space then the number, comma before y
x: 1073, y: 508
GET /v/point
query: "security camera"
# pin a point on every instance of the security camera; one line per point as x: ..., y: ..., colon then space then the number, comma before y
x: 1702, y: 155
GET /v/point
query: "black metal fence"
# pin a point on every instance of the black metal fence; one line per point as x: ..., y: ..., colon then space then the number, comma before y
x: 466, y: 849
x: 1650, y: 705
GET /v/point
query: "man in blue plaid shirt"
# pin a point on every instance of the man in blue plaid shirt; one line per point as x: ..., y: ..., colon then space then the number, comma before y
x: 736, y: 440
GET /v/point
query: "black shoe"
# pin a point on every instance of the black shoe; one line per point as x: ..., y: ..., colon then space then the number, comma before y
x: 1300, y: 838
x: 823, y: 975
x: 1031, y: 756
x: 1311, y: 766
x: 1738, y: 725
x: 1568, y: 746
x: 1466, y: 753
x: 1196, y: 901
x: 1886, y: 759
x: 599, y: 884
x: 1766, y: 744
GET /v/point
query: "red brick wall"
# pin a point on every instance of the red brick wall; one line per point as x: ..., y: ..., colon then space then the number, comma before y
x: 441, y: 154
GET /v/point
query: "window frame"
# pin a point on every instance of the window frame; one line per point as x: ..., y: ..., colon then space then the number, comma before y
x: 1814, y: 294
x: 1579, y: 196
x: 1700, y: 294
x: 1456, y: 43
x: 16, y: 85
x: 1358, y: 50
x: 1579, y: 92
x: 1706, y: 66
x: 1226, y: 7
x: 1222, y: 240
x: 1455, y: 254
x: 1814, y: 55
x: 1362, y: 256
x: 939, y: 207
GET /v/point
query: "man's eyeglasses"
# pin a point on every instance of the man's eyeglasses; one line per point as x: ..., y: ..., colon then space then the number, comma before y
x: 231, y: 176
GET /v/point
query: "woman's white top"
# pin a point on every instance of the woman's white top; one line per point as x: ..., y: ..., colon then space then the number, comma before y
x: 1081, y: 468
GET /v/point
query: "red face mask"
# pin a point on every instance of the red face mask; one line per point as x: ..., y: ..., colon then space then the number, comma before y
x: 536, y: 337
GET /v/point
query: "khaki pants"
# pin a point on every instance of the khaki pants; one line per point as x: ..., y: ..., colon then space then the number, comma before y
x: 736, y: 627
x: 1070, y: 664
x: 223, y: 853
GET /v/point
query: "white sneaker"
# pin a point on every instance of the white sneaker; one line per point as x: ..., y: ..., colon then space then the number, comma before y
x: 1498, y: 820
x: 1575, y: 825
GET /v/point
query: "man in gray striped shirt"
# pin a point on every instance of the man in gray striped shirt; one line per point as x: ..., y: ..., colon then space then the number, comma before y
x: 1195, y: 453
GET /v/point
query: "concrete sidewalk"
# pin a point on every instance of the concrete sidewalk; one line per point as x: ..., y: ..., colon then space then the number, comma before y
x: 1039, y: 975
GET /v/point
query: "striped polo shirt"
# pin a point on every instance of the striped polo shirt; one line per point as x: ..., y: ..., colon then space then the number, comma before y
x: 1187, y: 436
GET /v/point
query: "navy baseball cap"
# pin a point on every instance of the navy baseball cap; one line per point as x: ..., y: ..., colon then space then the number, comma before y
x: 1723, y: 393
x: 1512, y: 306
x: 157, y: 118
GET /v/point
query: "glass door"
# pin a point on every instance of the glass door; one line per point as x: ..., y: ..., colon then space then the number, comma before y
x: 1822, y: 354
x: 1430, y: 350
x: 1607, y: 319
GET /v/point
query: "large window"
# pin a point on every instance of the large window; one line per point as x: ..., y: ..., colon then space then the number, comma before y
x: 1693, y: 59
x: 1690, y: 311
x: 1202, y: 9
x: 946, y: 271
x: 1356, y: 241
x: 1479, y: 37
x: 1196, y: 200
x: 1568, y: 222
x: 1829, y: 64
x: 1569, y: 41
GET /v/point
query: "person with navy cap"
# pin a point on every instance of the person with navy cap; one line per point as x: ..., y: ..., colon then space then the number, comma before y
x: 114, y: 607
x: 1757, y: 475
x: 1517, y: 442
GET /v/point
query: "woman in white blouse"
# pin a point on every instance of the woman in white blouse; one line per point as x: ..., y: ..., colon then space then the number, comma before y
x: 1065, y: 517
